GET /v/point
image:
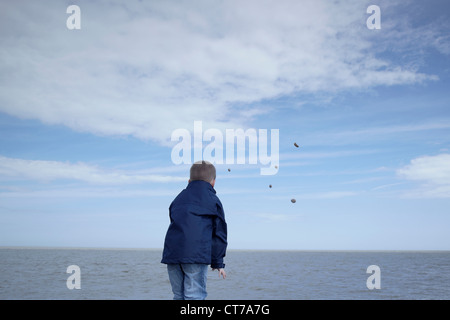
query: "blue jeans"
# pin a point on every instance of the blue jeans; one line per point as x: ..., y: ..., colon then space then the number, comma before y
x: 188, y: 280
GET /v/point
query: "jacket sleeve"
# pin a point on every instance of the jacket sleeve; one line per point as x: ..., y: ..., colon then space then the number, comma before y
x: 219, y: 239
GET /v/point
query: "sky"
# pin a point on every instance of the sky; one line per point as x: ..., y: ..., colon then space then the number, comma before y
x: 87, y: 116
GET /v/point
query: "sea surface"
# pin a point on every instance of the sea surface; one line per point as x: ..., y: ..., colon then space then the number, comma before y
x: 41, y: 273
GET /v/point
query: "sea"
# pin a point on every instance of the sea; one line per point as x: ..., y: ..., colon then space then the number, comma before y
x: 137, y: 274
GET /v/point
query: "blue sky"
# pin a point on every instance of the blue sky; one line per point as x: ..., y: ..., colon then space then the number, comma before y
x: 86, y: 118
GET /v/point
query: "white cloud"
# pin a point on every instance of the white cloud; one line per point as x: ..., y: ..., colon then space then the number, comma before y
x: 434, y: 174
x: 42, y: 170
x: 276, y: 217
x: 430, y: 169
x: 95, y: 192
x: 328, y: 195
x: 324, y: 155
x: 373, y: 133
x: 145, y: 69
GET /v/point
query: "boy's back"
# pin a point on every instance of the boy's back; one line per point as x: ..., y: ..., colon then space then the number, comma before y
x: 197, y: 234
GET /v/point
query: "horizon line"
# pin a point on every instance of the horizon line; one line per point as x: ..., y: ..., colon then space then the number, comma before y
x: 229, y: 250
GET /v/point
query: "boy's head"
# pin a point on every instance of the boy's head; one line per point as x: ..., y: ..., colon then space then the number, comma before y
x: 203, y: 170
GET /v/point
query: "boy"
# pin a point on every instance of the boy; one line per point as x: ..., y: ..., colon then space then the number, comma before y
x: 197, y: 235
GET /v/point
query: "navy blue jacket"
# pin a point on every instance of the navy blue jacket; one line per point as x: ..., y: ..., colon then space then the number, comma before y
x: 197, y: 232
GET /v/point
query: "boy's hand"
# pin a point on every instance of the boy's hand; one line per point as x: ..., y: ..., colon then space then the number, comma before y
x: 221, y: 272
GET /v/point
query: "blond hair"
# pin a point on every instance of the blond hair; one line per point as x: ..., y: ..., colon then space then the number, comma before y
x: 203, y: 170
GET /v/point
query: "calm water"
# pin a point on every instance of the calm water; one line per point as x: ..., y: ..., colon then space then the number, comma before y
x: 138, y: 274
